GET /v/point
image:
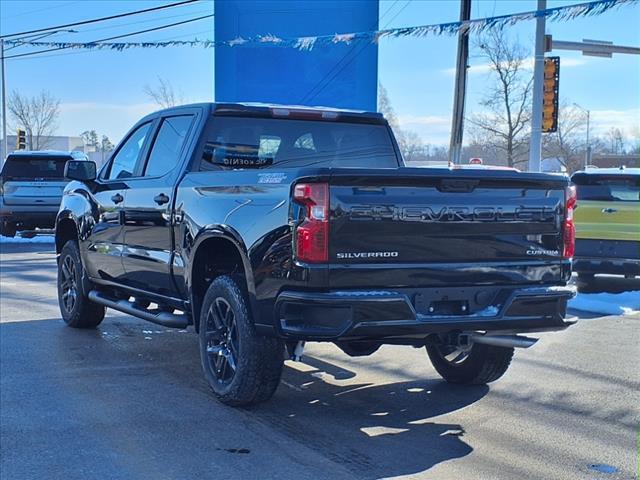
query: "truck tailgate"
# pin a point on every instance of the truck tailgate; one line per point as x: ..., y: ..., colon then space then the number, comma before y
x: 428, y: 227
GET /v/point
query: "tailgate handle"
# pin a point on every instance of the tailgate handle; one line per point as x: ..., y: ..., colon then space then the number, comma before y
x: 609, y: 210
x: 460, y: 186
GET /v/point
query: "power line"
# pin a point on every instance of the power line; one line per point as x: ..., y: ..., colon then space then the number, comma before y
x: 38, y: 36
x: 148, y: 20
x: 344, y: 57
x: 64, y: 54
x: 115, y: 37
x: 28, y: 12
x: 326, y: 84
x: 101, y: 19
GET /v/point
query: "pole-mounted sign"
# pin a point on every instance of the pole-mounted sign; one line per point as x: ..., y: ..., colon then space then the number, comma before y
x: 550, y: 94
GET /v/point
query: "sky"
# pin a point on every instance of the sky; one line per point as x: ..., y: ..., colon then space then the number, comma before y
x: 104, y: 90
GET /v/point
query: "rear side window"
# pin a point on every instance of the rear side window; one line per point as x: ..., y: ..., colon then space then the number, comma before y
x: 168, y: 145
x: 618, y: 188
x: 234, y: 142
x: 34, y: 167
x: 125, y: 161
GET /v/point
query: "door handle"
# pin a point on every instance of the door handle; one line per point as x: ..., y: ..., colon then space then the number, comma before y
x: 117, y: 198
x: 161, y: 199
x: 609, y: 210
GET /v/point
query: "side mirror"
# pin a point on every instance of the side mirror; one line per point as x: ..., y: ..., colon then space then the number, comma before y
x: 82, y: 170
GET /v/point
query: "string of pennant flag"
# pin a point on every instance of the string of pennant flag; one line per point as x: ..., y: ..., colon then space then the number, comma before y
x: 308, y: 43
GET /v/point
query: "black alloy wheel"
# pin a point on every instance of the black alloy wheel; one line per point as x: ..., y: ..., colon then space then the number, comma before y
x: 222, y: 341
x: 69, y: 283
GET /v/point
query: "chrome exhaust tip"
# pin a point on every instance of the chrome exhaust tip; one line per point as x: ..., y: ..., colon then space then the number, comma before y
x: 507, y: 341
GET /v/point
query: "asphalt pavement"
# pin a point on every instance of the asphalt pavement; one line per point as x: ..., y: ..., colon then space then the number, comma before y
x: 128, y: 401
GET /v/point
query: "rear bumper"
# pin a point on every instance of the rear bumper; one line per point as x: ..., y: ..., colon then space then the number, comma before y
x: 612, y: 266
x: 616, y: 257
x: 416, y: 313
x: 29, y: 217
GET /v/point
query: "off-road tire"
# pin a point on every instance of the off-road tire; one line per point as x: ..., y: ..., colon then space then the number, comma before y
x: 8, y: 229
x: 258, y: 360
x: 483, y: 364
x: 81, y: 312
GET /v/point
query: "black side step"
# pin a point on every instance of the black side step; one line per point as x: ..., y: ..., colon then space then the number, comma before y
x: 165, y: 319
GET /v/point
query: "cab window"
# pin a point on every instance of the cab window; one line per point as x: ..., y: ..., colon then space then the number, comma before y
x: 168, y: 145
x: 607, y: 188
x: 123, y: 164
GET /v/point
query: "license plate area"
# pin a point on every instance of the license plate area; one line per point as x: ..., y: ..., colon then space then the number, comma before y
x: 457, y: 301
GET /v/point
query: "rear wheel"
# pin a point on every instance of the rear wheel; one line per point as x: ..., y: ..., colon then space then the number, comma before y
x: 8, y: 229
x: 242, y: 367
x: 475, y: 365
x: 76, y: 308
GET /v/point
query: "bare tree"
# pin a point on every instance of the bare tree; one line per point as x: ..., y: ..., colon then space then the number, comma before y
x: 505, y: 124
x: 90, y: 138
x: 615, y: 141
x: 635, y: 139
x: 38, y: 115
x: 568, y: 143
x: 163, y: 94
x: 106, y: 145
x: 409, y: 142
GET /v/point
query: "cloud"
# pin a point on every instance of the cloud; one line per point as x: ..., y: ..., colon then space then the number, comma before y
x: 113, y: 120
x: 628, y: 121
x: 568, y: 62
x: 433, y: 129
x: 423, y: 120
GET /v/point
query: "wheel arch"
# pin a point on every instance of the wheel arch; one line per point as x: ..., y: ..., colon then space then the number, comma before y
x: 217, y: 252
x: 66, y: 229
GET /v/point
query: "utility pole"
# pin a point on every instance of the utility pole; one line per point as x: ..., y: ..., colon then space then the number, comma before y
x: 4, y: 107
x: 587, y: 155
x: 457, y: 121
x: 535, y: 147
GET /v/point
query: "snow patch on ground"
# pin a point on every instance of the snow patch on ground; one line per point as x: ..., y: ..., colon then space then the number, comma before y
x: 627, y: 303
x: 36, y: 239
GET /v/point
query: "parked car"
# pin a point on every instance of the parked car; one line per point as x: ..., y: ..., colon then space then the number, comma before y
x: 268, y: 226
x: 31, y: 185
x: 607, y: 222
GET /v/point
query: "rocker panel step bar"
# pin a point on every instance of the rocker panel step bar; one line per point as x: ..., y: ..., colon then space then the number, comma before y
x: 165, y: 319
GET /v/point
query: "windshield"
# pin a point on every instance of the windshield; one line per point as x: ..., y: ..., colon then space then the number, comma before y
x: 261, y: 142
x: 619, y: 188
x: 34, y: 167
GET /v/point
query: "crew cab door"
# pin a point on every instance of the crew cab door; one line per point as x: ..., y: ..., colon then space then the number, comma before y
x: 104, y: 246
x: 148, y: 251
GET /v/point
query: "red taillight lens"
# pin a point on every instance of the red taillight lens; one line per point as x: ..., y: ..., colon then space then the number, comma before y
x: 312, y: 234
x: 569, y: 230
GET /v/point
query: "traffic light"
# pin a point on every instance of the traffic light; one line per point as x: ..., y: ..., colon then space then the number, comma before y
x: 550, y: 95
x: 21, y: 140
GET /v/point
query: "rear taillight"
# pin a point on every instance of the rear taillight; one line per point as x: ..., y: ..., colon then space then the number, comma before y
x: 312, y: 233
x: 569, y: 230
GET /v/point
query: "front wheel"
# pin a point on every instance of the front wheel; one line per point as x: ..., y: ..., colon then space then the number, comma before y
x: 76, y: 308
x: 475, y: 365
x: 242, y: 367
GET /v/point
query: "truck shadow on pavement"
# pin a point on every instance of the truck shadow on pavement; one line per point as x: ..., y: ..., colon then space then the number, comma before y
x: 373, y: 430
x: 367, y: 430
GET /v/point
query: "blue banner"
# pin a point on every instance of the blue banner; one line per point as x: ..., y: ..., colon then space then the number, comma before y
x: 344, y: 75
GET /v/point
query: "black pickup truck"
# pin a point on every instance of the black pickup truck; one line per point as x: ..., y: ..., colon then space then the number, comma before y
x: 266, y: 226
